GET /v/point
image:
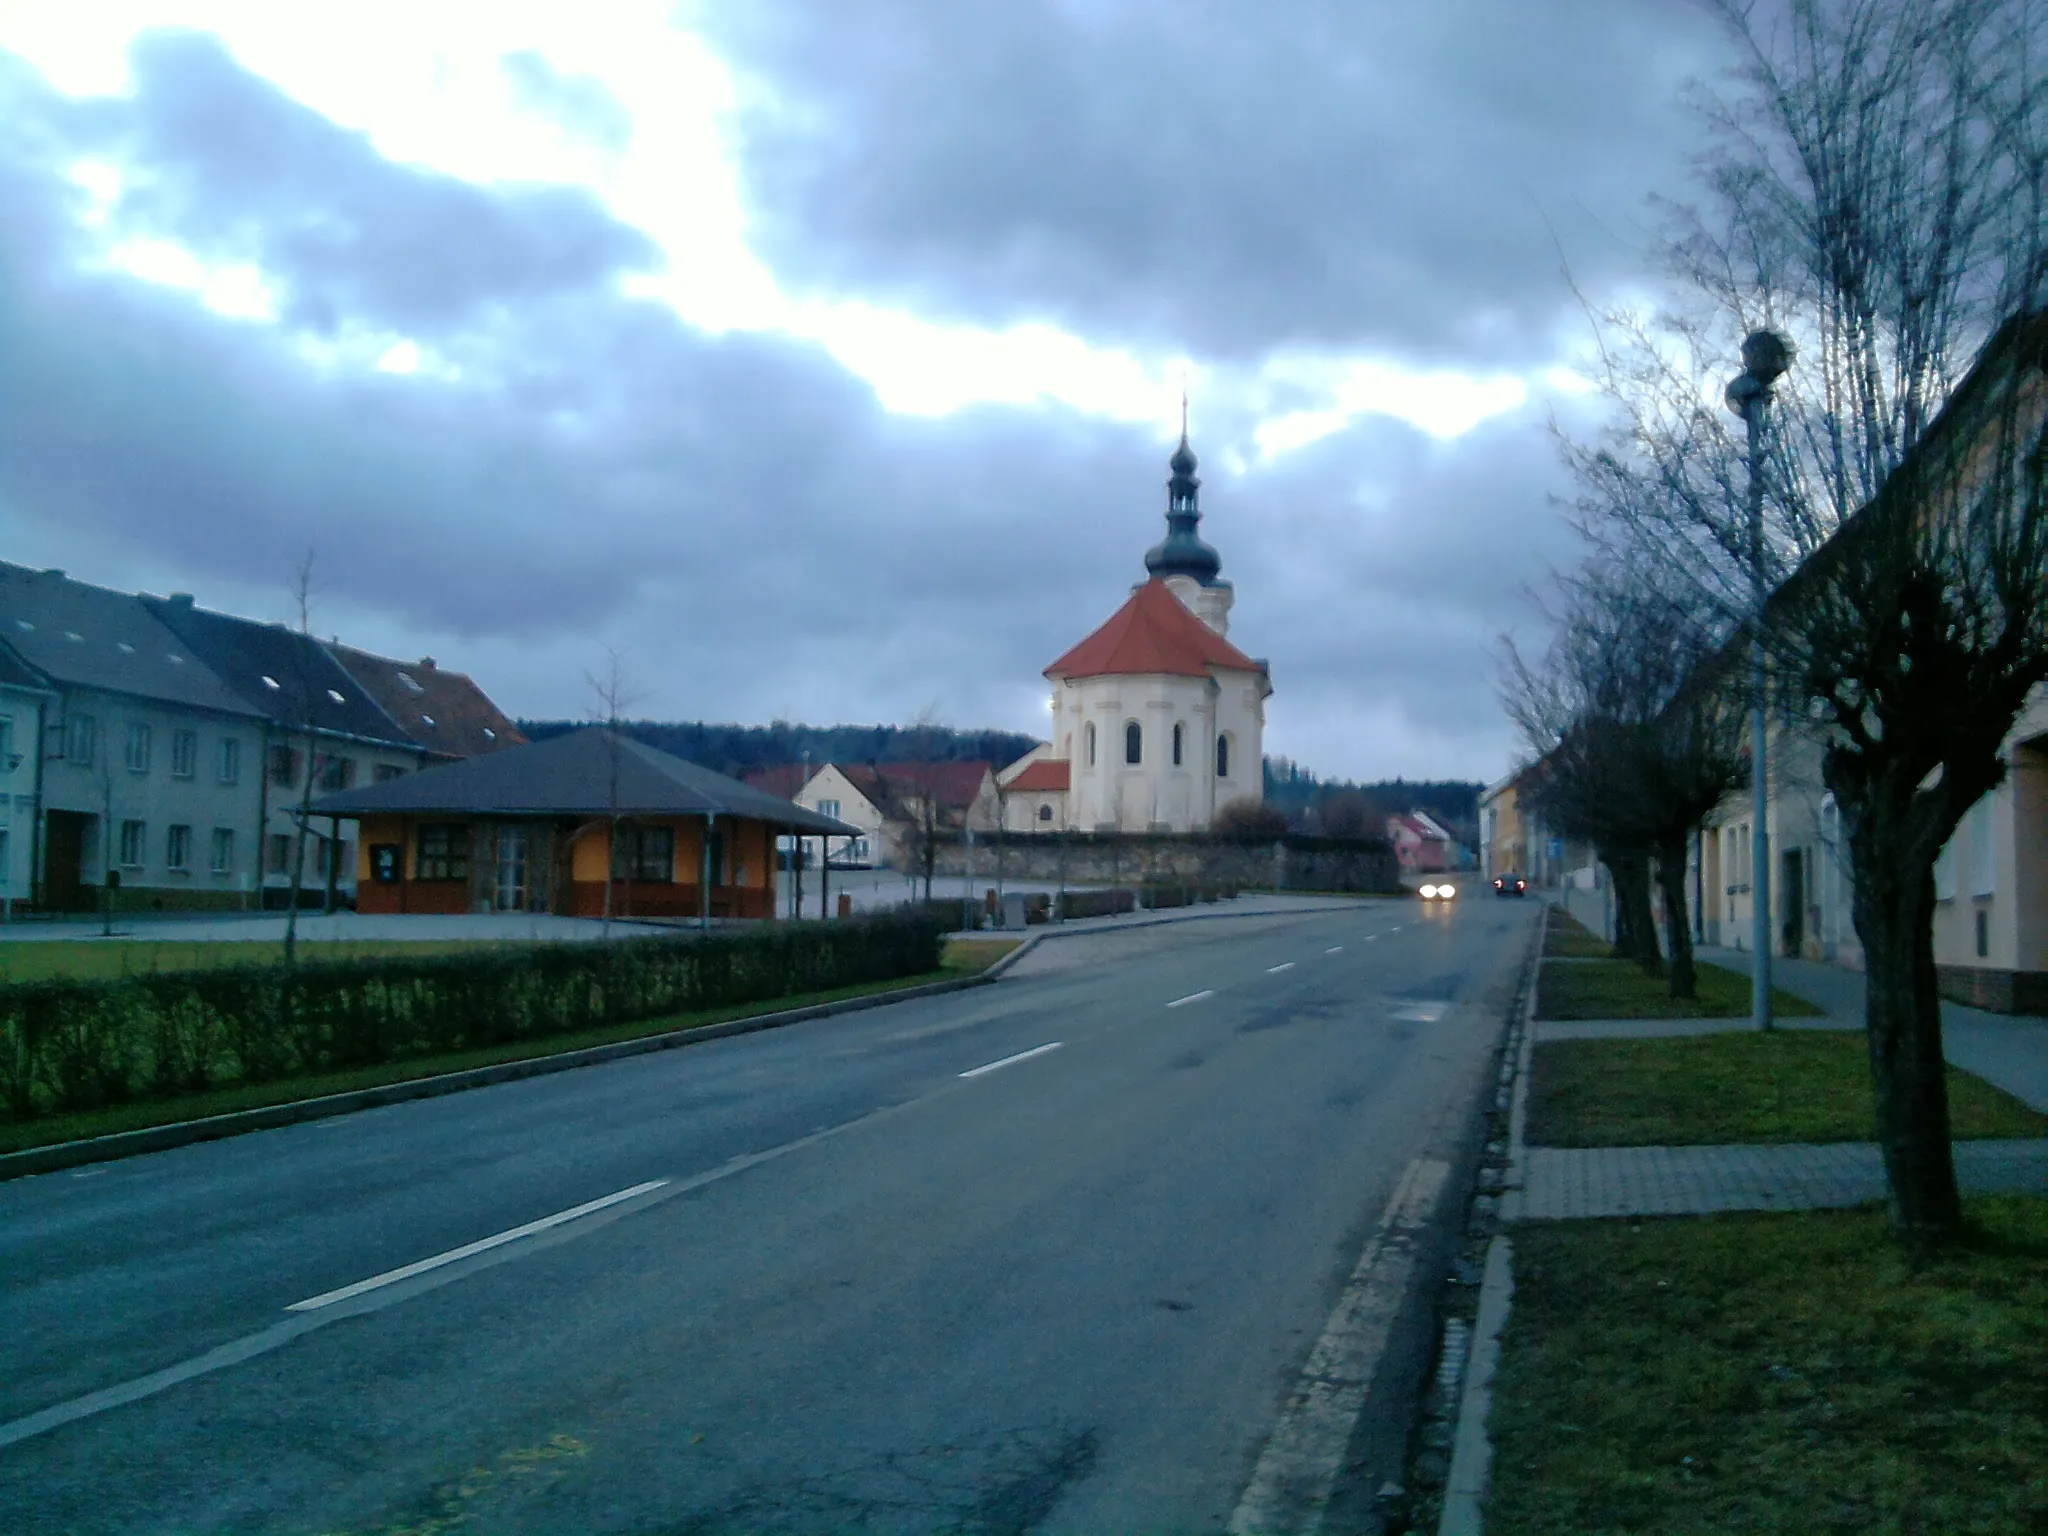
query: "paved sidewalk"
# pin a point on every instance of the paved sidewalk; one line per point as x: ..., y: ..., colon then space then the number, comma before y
x: 1582, y: 1183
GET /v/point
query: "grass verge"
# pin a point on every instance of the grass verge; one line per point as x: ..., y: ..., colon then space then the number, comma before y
x: 111, y: 959
x: 1620, y: 989
x: 1717, y: 1089
x: 1566, y: 938
x: 1766, y: 1373
x: 962, y: 957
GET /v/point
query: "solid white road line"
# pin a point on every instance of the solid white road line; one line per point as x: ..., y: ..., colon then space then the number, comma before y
x: 1192, y: 997
x: 1297, y: 1471
x: 1010, y: 1061
x: 1284, y: 965
x: 467, y: 1250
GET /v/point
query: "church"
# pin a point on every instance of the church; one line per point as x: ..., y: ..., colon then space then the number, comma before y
x: 1158, y: 721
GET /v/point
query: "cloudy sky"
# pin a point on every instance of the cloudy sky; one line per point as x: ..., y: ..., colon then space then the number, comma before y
x: 823, y: 356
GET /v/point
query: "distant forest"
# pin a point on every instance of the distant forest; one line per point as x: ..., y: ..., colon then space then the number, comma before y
x: 738, y: 749
x: 1336, y: 807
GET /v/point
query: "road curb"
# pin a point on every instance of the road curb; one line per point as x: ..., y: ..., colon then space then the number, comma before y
x: 1471, y: 1447
x: 160, y: 1138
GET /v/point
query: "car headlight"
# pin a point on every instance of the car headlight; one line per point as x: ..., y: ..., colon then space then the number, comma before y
x: 1446, y: 892
x: 1428, y: 892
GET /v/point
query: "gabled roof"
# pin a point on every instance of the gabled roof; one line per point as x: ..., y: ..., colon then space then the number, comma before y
x: 1153, y: 634
x: 574, y: 775
x: 785, y: 781
x: 83, y: 636
x: 443, y: 711
x: 278, y: 672
x: 1045, y: 775
x: 17, y: 673
x: 954, y: 786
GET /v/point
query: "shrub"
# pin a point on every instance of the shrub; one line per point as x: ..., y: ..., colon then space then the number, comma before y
x: 76, y: 1045
x: 1096, y: 903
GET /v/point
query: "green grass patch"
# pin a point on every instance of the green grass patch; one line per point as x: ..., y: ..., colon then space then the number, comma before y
x: 970, y: 957
x: 49, y: 1130
x: 1774, y: 1373
x: 1620, y: 989
x: 111, y: 959
x: 1567, y: 938
x: 1716, y: 1089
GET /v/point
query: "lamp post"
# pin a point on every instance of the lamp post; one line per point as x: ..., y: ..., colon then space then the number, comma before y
x: 1765, y: 357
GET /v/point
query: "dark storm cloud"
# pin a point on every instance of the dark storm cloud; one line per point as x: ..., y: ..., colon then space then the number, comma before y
x: 237, y: 170
x: 1206, y: 174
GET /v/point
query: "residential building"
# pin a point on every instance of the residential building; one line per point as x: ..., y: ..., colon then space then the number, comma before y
x: 886, y: 806
x: 1421, y: 845
x: 23, y: 694
x: 546, y: 826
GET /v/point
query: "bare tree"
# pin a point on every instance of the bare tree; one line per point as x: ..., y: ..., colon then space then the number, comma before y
x: 610, y: 697
x: 1874, y: 187
x: 308, y: 702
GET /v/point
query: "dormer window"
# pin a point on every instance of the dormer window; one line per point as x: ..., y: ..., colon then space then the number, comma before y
x: 426, y: 719
x: 74, y: 637
x: 124, y: 647
x: 407, y: 679
x: 336, y: 696
x: 489, y: 734
x: 269, y: 681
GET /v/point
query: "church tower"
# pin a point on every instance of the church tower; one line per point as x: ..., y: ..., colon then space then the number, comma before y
x: 1188, y: 566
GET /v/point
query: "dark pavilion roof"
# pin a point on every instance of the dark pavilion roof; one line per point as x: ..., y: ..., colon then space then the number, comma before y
x: 573, y: 775
x: 1182, y: 552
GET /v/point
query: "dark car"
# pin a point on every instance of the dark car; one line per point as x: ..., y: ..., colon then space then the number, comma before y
x: 1510, y: 884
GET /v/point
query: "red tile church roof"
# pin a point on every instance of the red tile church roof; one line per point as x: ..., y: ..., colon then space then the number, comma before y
x: 1045, y: 775
x: 1153, y: 633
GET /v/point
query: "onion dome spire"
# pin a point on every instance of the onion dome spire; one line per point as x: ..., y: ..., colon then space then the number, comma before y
x: 1182, y: 552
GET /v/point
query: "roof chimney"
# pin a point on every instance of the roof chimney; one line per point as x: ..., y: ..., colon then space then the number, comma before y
x: 181, y: 599
x: 54, y: 571
x: 426, y: 663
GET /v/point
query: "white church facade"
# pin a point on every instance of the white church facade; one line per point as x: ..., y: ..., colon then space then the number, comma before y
x: 1158, y: 721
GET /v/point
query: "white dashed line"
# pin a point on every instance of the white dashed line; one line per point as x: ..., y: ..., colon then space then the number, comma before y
x: 1333, y: 949
x: 1192, y: 997
x: 467, y: 1250
x: 1285, y: 965
x: 1011, y: 1061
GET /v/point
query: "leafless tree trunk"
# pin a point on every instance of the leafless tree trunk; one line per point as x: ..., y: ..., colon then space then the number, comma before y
x: 309, y: 727
x: 609, y: 698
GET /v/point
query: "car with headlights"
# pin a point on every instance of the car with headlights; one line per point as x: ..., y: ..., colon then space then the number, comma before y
x: 1435, y: 892
x: 1510, y: 884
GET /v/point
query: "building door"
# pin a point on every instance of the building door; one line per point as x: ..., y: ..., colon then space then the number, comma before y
x: 64, y: 888
x: 1792, y: 876
x: 511, y: 868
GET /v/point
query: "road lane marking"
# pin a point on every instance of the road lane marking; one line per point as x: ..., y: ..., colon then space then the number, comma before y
x: 1421, y: 1013
x: 1291, y: 1485
x: 1333, y: 949
x: 1192, y: 997
x: 1285, y: 965
x: 1011, y: 1061
x: 468, y: 1250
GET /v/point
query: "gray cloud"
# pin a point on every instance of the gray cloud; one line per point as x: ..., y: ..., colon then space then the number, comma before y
x: 1225, y: 177
x: 580, y: 104
x: 737, y: 511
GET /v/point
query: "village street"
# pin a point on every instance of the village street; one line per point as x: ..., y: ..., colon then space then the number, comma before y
x: 1047, y: 1254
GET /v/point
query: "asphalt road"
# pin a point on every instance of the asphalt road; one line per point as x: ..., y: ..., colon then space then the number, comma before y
x: 875, y: 1289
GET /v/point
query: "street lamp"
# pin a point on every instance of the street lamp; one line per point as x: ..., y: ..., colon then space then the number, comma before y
x: 1765, y: 357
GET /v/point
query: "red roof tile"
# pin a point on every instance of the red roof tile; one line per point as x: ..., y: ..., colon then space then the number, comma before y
x: 1152, y: 634
x: 782, y: 780
x: 1044, y: 775
x: 953, y: 785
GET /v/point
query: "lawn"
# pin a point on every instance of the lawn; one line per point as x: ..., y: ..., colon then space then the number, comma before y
x: 1568, y: 938
x: 104, y: 959
x: 962, y: 957
x: 1771, y: 1373
x: 1790, y: 1085
x: 1620, y: 989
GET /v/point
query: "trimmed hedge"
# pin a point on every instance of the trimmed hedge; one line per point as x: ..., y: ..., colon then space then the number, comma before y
x: 1096, y: 903
x: 77, y: 1045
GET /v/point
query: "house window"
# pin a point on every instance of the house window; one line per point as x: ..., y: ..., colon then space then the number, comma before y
x: 1178, y: 732
x: 137, y: 756
x: 1134, y: 742
x: 230, y: 760
x: 384, y: 773
x: 184, y: 754
x: 644, y: 853
x: 132, y: 834
x: 223, y: 850
x: 1983, y: 857
x: 337, y: 772
x: 178, y: 849
x: 284, y: 766
x: 1222, y: 757
x: 444, y: 851
x: 82, y: 739
x: 829, y: 808
x: 280, y: 853
x: 1088, y: 738
x: 1045, y: 813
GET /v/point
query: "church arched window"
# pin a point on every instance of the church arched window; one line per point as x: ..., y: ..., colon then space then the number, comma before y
x: 1088, y: 739
x: 1177, y: 733
x: 1134, y: 742
x: 1045, y: 813
x: 1222, y: 757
